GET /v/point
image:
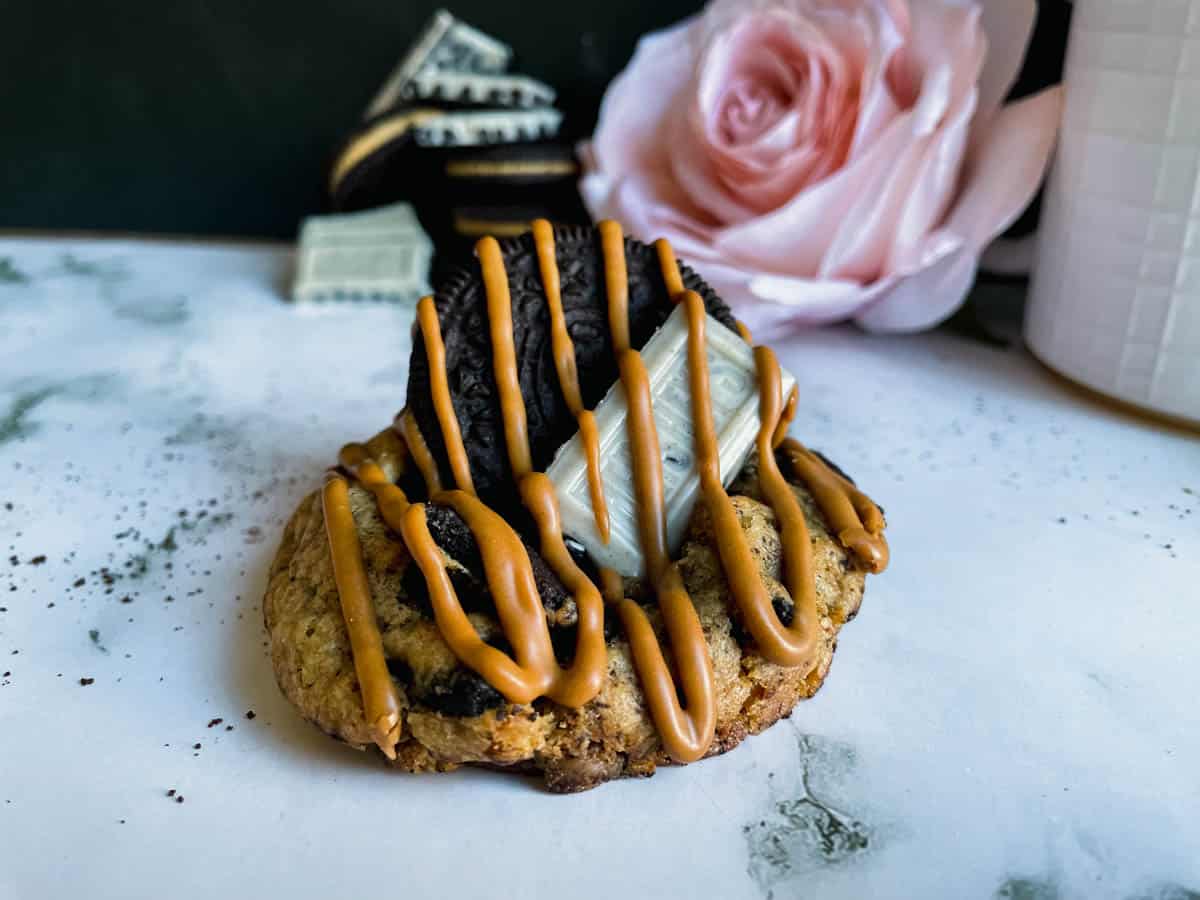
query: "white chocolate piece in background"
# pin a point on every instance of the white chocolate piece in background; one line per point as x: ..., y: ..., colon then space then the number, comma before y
x: 381, y: 255
x: 733, y: 383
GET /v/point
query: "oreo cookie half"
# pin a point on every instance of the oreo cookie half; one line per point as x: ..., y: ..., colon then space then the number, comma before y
x: 462, y: 314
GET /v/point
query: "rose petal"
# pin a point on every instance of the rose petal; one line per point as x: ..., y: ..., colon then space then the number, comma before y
x: 924, y: 299
x: 773, y: 306
x: 907, y: 196
x: 1008, y: 27
x: 629, y: 130
x: 796, y: 236
x: 1005, y: 167
x: 933, y: 188
x: 877, y: 104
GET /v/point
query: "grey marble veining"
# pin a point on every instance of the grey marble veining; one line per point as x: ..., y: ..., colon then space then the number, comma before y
x: 1012, y: 715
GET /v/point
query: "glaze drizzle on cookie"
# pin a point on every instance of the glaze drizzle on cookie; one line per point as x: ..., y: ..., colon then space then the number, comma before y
x: 381, y: 705
x: 686, y: 729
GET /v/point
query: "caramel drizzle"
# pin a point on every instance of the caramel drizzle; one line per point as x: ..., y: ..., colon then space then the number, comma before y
x: 797, y: 644
x: 381, y: 704
x: 786, y: 417
x: 673, y: 281
x: 568, y: 375
x: 616, y: 282
x: 534, y: 672
x: 407, y: 428
x: 853, y: 516
x: 439, y: 387
x: 686, y: 734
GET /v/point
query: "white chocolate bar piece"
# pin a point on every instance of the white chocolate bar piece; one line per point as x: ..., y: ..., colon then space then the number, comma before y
x: 379, y: 255
x: 733, y: 382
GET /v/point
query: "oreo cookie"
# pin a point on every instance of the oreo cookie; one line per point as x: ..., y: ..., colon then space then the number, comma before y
x: 462, y: 314
x: 474, y: 147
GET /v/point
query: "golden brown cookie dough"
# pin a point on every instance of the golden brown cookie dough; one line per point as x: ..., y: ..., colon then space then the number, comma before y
x: 451, y: 717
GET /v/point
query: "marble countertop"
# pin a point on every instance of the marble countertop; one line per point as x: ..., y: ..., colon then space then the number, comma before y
x: 1013, y: 714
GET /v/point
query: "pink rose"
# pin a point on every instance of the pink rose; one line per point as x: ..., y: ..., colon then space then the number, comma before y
x: 818, y: 160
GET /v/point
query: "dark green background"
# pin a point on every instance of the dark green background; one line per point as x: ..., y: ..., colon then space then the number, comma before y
x: 219, y: 117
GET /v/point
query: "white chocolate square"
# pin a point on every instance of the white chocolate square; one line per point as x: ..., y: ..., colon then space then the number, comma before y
x: 378, y: 255
x: 733, y: 383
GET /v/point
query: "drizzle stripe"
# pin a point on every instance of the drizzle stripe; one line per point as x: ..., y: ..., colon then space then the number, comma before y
x: 435, y: 352
x: 794, y: 646
x: 786, y: 417
x: 419, y: 450
x: 670, y: 269
x: 647, y: 463
x: 563, y: 349
x: 504, y: 356
x: 381, y: 705
x: 616, y: 283
x: 686, y: 735
x: 510, y: 579
x: 844, y: 506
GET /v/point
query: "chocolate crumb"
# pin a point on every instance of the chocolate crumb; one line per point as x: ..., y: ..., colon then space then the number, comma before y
x: 171, y: 792
x: 80, y: 582
x: 250, y: 714
x: 214, y: 723
x: 229, y: 728
x: 86, y: 681
x: 38, y: 560
x: 195, y: 746
x: 179, y: 799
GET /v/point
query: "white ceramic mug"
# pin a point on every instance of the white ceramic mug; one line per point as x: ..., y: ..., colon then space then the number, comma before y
x: 1115, y: 298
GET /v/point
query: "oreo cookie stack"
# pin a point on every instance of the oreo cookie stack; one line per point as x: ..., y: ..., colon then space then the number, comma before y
x: 472, y: 146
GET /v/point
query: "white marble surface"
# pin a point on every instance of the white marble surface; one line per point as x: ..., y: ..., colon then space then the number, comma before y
x: 1014, y: 713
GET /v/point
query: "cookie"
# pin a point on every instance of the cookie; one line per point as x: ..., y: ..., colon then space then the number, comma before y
x: 452, y: 717
x: 462, y: 316
x: 459, y: 192
x: 433, y: 602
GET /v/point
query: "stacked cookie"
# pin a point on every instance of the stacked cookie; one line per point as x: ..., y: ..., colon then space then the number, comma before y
x: 470, y: 144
